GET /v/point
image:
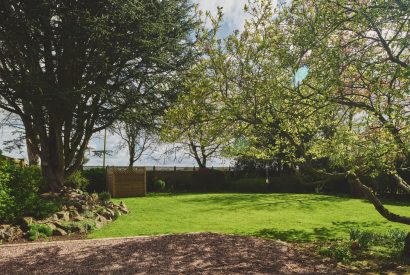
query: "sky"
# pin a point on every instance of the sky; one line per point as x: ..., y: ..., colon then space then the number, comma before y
x: 234, y: 18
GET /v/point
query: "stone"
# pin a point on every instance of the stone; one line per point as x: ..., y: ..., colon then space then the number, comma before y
x: 123, y: 208
x: 100, y: 221
x: 59, y: 232
x: 63, y: 215
x: 78, y: 218
x: 11, y: 233
x: 108, y: 213
x: 25, y: 222
x: 50, y: 195
x: 74, y: 214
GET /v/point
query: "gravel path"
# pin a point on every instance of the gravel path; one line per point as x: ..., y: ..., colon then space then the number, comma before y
x: 204, y: 253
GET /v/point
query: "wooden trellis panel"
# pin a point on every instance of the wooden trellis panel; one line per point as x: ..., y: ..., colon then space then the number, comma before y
x: 127, y: 182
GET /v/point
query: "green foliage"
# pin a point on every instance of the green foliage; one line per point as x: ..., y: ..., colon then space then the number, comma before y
x: 39, y: 231
x: 104, y: 196
x: 395, y: 239
x: 19, y: 188
x: 340, y: 251
x: 83, y: 226
x: 159, y: 185
x: 117, y: 214
x: 127, y: 39
x: 97, y: 180
x: 364, y: 238
x: 77, y: 181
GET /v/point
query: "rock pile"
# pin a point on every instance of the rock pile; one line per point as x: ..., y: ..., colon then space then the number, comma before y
x: 79, y: 213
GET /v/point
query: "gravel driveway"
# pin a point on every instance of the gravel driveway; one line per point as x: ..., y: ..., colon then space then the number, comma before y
x: 204, y: 253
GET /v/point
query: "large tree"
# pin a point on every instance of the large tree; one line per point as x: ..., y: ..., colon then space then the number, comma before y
x: 69, y: 68
x: 352, y: 109
x: 194, y: 123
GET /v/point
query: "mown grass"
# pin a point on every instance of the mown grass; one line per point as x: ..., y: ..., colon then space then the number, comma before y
x: 289, y: 217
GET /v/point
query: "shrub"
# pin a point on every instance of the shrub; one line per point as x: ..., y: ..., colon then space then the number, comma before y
x: 159, y: 185
x: 77, y: 181
x: 39, y: 231
x: 104, y: 196
x: 83, y: 226
x: 19, y: 188
x: 395, y: 237
x: 97, y: 180
x: 363, y: 238
x: 116, y: 214
x: 339, y: 251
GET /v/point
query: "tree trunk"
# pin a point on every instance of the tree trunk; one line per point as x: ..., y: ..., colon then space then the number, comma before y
x: 52, y: 159
x: 33, y: 158
x: 53, y: 177
x: 368, y: 194
x: 131, y: 160
x: 406, y: 251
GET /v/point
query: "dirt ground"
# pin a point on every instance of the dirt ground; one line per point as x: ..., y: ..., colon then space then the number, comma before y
x: 204, y: 253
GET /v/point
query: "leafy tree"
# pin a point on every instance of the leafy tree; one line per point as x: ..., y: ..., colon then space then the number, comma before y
x: 196, y: 122
x: 68, y: 69
x: 352, y: 109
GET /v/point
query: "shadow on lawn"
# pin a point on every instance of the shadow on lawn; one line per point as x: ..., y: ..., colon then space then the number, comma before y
x: 319, y: 233
x: 176, y: 254
x: 262, y: 201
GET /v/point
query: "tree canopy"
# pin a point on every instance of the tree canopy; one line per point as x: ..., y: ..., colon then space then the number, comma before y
x: 68, y: 69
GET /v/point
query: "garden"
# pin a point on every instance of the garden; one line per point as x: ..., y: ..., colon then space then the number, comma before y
x: 306, y: 104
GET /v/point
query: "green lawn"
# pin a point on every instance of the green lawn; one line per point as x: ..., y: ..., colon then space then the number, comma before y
x: 291, y: 217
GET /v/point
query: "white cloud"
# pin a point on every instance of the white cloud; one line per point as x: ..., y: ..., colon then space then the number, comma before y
x: 234, y: 15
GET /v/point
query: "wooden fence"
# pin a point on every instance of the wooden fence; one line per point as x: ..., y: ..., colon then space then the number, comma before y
x: 127, y: 182
x: 19, y: 162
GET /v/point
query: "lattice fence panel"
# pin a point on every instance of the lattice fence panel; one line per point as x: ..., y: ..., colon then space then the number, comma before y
x: 127, y: 182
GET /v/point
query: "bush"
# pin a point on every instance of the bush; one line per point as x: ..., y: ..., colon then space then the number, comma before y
x: 97, y: 180
x: 83, y: 226
x: 39, y: 231
x: 395, y: 239
x: 159, y: 185
x: 104, y: 196
x: 19, y: 188
x: 339, y: 251
x: 77, y: 181
x: 363, y: 238
x: 117, y: 214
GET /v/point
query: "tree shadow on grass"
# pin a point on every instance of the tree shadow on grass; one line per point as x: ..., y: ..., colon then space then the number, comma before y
x: 334, y: 231
x: 262, y: 201
x: 174, y: 254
